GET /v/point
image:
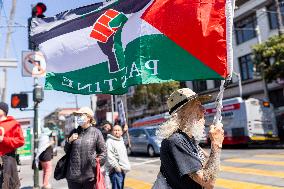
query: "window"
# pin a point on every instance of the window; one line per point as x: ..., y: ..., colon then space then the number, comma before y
x: 137, y: 133
x: 272, y: 14
x: 246, y: 66
x: 133, y: 133
x: 245, y: 29
x: 217, y: 83
x: 240, y: 2
x: 199, y: 86
x: 152, y: 132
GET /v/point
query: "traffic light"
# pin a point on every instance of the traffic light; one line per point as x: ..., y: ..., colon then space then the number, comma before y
x: 38, y: 94
x: 19, y: 100
x: 37, y: 12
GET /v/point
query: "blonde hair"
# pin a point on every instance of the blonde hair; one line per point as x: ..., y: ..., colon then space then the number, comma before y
x: 180, y: 120
x: 92, y: 120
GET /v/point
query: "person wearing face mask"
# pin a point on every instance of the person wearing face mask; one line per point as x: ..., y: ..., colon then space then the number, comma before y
x: 85, y: 144
x: 11, y: 138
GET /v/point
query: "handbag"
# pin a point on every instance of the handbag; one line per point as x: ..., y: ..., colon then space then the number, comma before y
x: 34, y: 165
x: 60, y: 170
x: 100, y: 183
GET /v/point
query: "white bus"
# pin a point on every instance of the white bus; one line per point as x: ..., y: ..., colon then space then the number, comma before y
x: 245, y: 121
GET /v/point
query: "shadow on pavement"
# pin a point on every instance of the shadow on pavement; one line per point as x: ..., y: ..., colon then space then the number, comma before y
x: 137, y: 154
x: 275, y: 145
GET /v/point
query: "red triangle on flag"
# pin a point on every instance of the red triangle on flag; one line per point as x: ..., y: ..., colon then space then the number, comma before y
x: 198, y: 26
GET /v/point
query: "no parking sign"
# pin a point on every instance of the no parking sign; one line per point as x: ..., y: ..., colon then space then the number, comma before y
x: 33, y: 64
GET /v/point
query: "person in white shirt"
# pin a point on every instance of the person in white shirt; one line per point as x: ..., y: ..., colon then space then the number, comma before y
x: 117, y: 159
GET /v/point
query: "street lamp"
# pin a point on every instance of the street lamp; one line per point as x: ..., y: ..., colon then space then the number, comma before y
x: 262, y: 65
x: 240, y: 83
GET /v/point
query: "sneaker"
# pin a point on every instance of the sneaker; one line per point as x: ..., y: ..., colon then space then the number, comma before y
x: 46, y: 187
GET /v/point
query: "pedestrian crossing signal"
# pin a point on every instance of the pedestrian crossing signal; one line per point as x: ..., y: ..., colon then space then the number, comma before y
x: 19, y: 100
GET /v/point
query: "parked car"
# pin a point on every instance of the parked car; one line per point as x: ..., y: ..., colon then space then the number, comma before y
x: 144, y: 140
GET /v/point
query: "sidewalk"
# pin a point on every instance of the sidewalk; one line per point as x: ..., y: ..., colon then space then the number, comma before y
x: 26, y: 174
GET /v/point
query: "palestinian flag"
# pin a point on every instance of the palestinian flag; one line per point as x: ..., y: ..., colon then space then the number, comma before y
x: 107, y: 47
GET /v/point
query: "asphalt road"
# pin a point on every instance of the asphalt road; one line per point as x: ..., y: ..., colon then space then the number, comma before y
x: 241, y: 169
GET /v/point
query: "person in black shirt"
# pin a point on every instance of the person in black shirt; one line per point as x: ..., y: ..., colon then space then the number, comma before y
x: 106, y: 129
x: 85, y: 146
x: 183, y: 162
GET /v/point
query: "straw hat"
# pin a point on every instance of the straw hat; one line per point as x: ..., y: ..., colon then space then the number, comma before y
x: 182, y: 96
x: 85, y: 110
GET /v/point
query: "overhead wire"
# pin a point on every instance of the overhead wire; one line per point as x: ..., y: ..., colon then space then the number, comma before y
x: 13, y: 45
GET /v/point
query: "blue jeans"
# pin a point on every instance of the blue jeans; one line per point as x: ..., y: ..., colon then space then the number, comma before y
x: 117, y: 180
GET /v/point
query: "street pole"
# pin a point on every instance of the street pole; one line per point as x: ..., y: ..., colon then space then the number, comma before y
x: 262, y: 65
x: 265, y: 89
x: 36, y: 106
x: 240, y: 83
x: 112, y: 109
x: 76, y: 101
x: 93, y: 99
x: 7, y: 45
x: 37, y: 98
x: 279, y: 17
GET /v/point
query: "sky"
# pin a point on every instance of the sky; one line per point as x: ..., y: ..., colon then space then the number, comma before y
x: 16, y: 83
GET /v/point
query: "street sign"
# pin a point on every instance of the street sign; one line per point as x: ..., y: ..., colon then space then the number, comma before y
x: 8, y: 63
x: 34, y: 64
x: 109, y: 116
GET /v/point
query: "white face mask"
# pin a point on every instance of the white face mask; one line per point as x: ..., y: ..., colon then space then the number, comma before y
x: 82, y: 120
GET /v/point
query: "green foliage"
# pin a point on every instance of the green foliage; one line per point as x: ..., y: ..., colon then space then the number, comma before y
x: 153, y: 95
x: 271, y: 50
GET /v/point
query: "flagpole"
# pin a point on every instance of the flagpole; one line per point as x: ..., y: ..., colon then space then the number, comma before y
x: 230, y: 5
x: 112, y: 110
x: 126, y: 118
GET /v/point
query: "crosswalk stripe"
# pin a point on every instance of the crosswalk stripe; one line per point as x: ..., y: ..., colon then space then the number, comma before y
x: 232, y: 184
x: 254, y: 161
x: 250, y: 171
x: 270, y: 155
x: 224, y: 183
x: 145, y: 162
x: 137, y: 184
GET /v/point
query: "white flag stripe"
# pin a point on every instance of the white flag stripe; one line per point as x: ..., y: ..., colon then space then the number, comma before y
x: 136, y: 27
x: 62, y: 52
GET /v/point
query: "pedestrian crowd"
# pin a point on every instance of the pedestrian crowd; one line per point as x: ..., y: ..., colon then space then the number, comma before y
x: 96, y: 158
x: 86, y: 146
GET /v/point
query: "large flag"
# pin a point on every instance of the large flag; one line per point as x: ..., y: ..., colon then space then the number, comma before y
x: 107, y: 47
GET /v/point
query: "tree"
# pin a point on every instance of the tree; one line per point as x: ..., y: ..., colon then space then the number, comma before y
x: 269, y: 56
x: 152, y: 95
